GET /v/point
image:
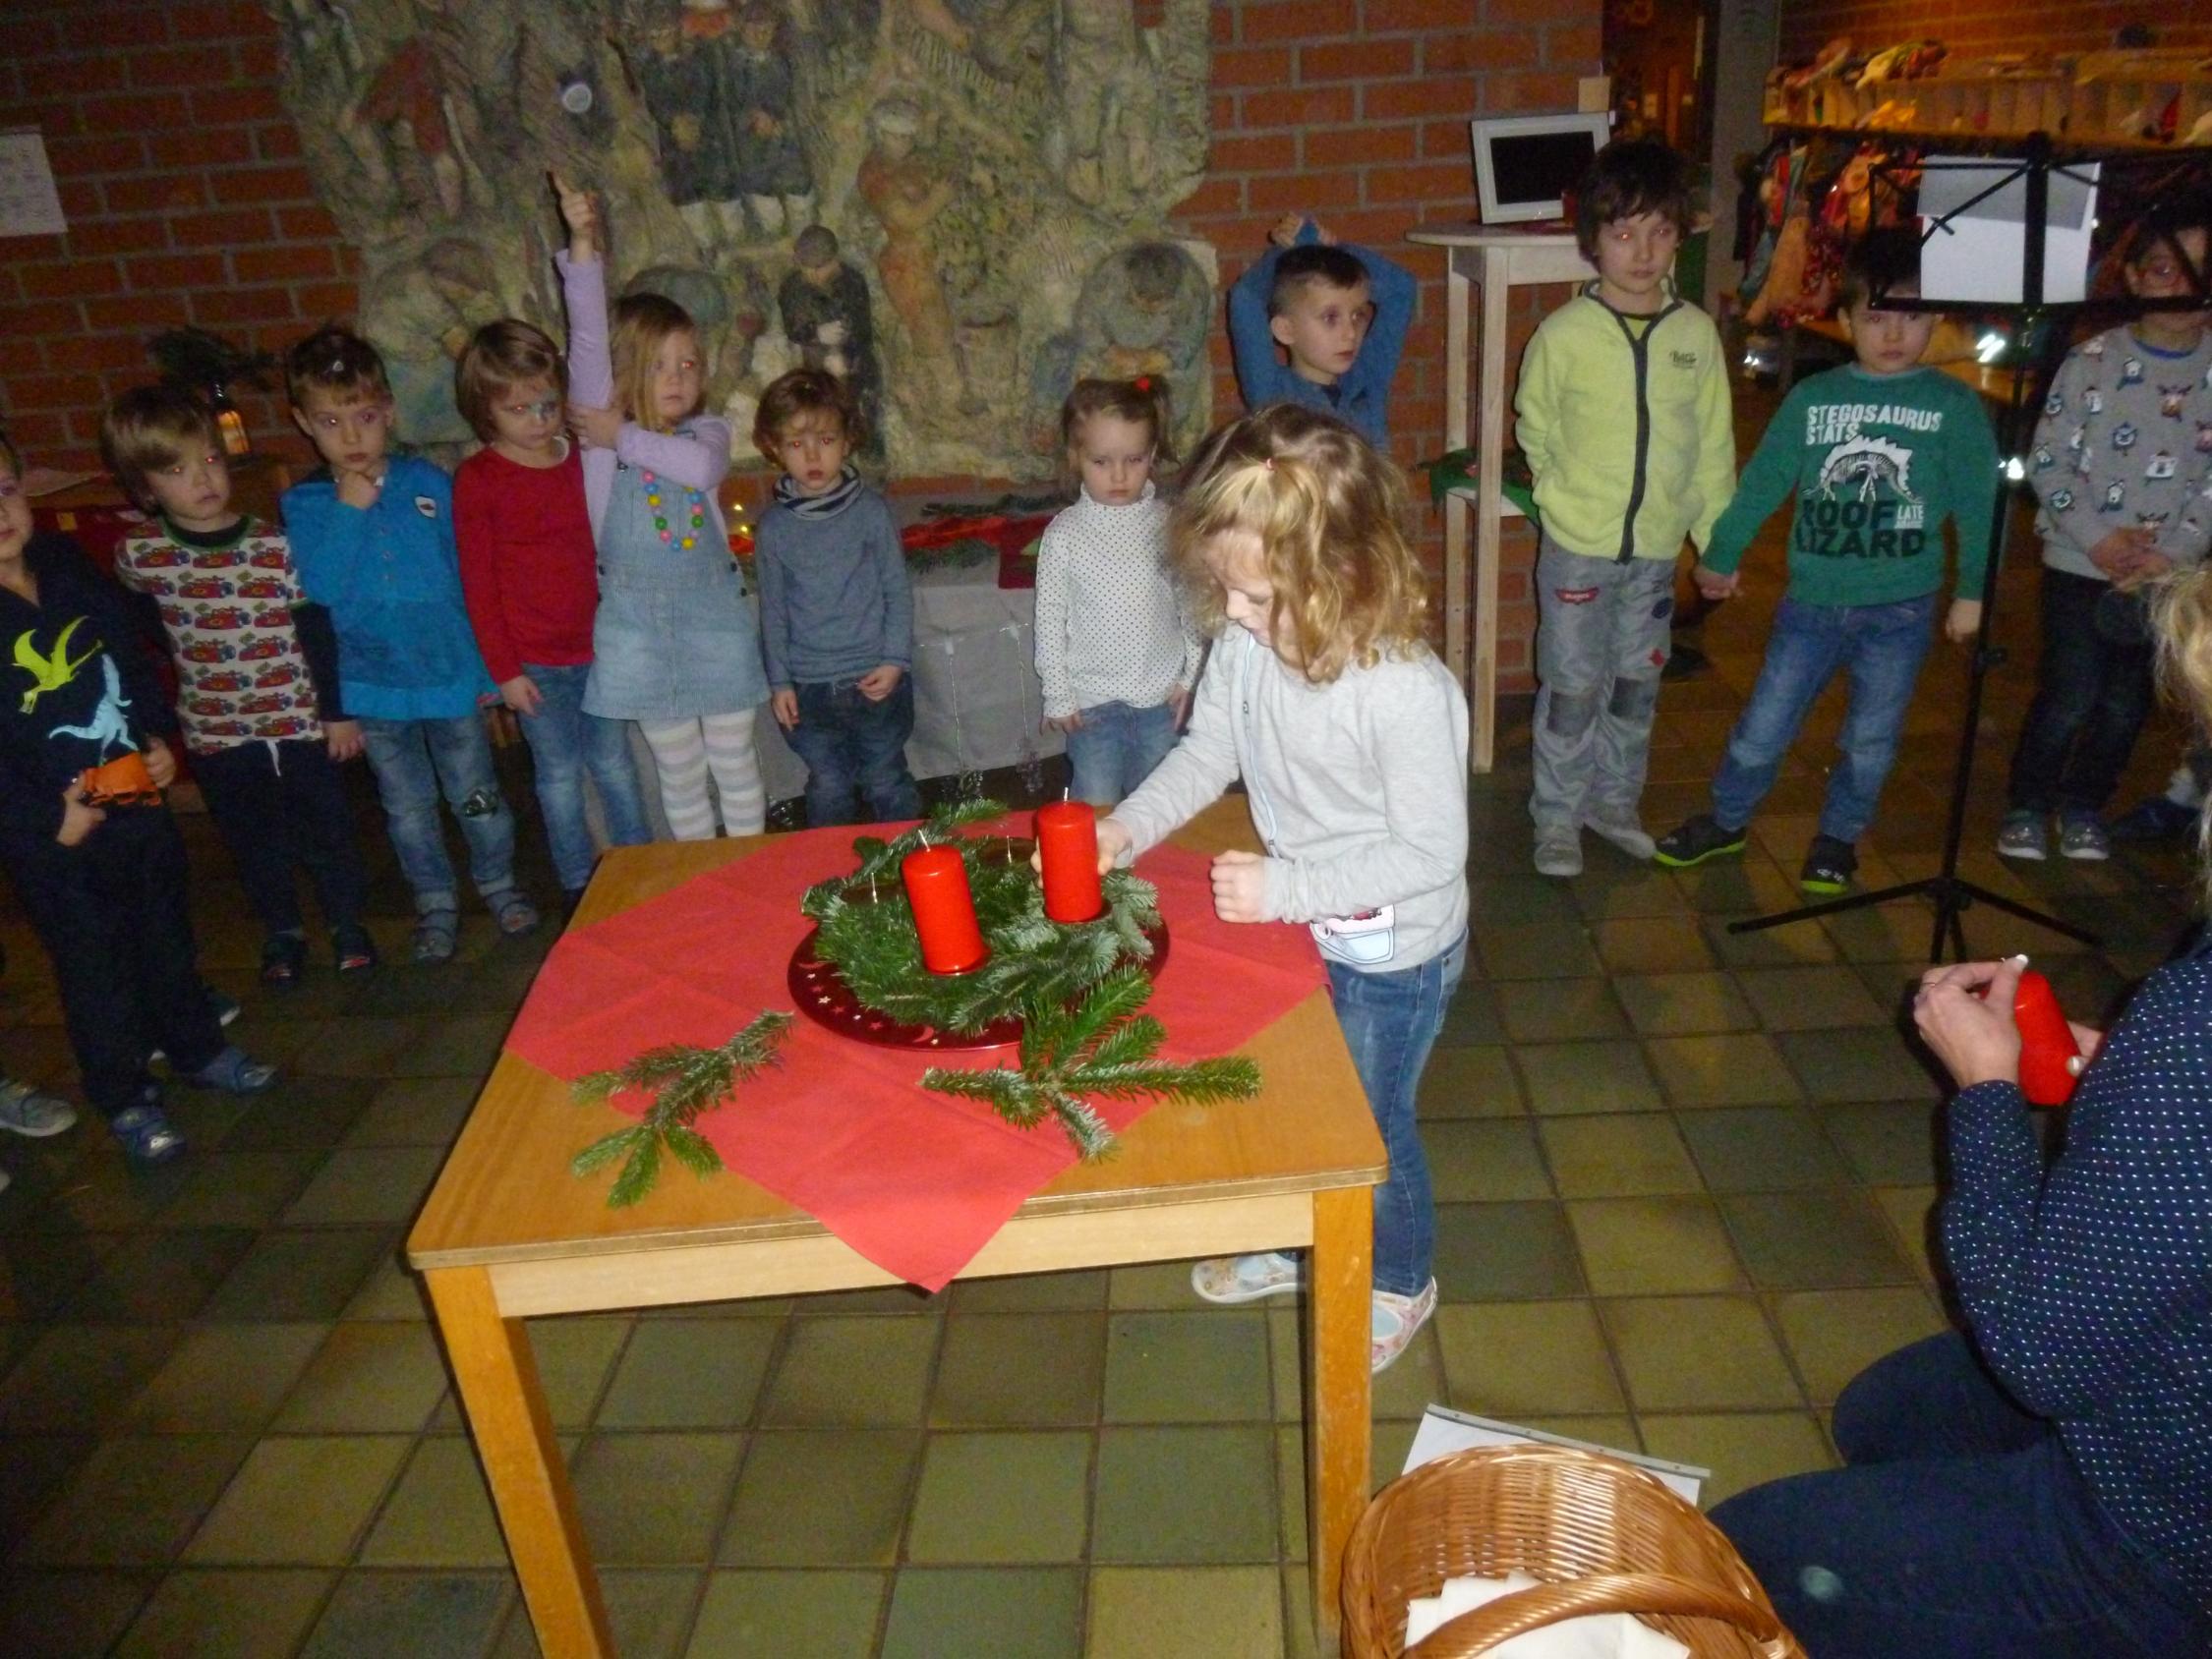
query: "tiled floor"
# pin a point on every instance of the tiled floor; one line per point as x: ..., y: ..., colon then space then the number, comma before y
x: 1683, y: 1176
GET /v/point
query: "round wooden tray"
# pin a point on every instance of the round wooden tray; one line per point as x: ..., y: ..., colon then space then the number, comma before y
x: 819, y: 992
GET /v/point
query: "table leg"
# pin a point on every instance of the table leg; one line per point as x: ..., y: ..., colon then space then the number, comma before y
x: 514, y: 1436
x: 1337, y: 1420
x: 1490, y: 501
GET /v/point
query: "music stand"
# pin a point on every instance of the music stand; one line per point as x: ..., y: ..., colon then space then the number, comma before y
x: 1953, y: 893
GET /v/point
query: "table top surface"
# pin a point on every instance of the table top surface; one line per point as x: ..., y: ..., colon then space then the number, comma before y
x: 506, y: 1194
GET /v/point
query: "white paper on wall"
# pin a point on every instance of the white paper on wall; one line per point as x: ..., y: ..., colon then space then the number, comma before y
x: 29, y: 205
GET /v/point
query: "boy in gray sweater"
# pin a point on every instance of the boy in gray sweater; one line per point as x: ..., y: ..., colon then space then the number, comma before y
x: 837, y: 615
x: 2123, y: 457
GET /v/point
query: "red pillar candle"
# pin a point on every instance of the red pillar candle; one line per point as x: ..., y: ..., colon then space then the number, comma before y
x: 2045, y: 1043
x: 936, y: 881
x: 1068, y: 842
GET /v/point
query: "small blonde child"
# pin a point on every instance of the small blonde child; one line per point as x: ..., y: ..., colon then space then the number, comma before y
x: 675, y: 646
x: 1115, y: 653
x: 1351, y: 739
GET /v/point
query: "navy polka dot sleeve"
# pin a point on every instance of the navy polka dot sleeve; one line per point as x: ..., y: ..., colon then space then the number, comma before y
x: 2088, y: 1284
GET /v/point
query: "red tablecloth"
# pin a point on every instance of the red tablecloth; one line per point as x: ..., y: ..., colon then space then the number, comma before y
x: 915, y: 1181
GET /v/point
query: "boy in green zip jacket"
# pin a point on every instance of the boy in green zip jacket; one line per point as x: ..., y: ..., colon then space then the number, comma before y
x: 1879, y: 453
x: 1624, y: 413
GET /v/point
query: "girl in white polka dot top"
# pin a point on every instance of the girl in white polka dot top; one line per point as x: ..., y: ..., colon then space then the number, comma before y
x: 1116, y: 653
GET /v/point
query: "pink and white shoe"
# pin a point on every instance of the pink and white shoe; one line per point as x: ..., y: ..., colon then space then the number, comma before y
x: 1395, y: 1322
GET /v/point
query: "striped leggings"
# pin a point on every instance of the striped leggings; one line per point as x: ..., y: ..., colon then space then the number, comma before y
x: 685, y: 751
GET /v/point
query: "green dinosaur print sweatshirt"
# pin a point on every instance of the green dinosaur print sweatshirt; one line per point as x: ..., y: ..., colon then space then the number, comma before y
x: 1878, y: 462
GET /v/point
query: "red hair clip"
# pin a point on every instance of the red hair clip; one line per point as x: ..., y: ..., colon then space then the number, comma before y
x: 1144, y: 383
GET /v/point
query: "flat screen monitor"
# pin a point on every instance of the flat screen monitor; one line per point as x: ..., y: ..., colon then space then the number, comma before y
x: 1525, y: 165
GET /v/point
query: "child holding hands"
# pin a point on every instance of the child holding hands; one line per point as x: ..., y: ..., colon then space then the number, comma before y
x: 1877, y: 453
x: 528, y: 573
x: 676, y: 643
x: 1115, y: 653
x: 837, y: 609
x: 1351, y: 739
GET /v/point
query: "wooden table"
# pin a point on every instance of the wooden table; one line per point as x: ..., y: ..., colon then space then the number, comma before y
x: 508, y: 1234
x: 1493, y: 261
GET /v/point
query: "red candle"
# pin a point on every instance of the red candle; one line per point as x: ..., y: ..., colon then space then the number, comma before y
x: 2045, y: 1043
x: 1068, y: 842
x: 944, y: 911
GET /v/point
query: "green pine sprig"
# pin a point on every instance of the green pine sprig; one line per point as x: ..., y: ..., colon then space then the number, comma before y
x: 686, y: 1081
x: 1099, y: 1045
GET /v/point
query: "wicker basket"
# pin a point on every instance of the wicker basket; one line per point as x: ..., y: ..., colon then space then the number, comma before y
x: 1604, y: 1536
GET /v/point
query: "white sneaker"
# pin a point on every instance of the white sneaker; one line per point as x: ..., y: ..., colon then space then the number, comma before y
x: 1394, y: 1322
x: 26, y: 1111
x: 1625, y: 833
x: 1558, y: 852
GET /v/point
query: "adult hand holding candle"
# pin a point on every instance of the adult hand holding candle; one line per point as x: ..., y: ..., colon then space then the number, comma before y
x: 2046, y: 1045
x: 1068, y: 846
x: 936, y: 880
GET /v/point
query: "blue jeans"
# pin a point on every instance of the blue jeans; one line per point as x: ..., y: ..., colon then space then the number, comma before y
x: 1116, y: 748
x: 565, y: 744
x: 1882, y: 646
x: 1958, y: 1530
x: 854, y: 746
x: 2095, y: 685
x: 414, y: 760
x: 1390, y: 1022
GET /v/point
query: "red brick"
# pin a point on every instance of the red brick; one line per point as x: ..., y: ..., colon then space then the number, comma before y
x: 1296, y: 19
x: 32, y: 319
x: 1215, y: 196
x: 1532, y: 89
x: 1445, y: 137
x: 1396, y: 100
x: 53, y: 121
x: 1499, y: 13
x: 52, y: 391
x: 176, y: 271
x: 36, y: 434
x: 1379, y: 227
x: 1302, y: 192
x: 202, y: 147
x: 1221, y: 24
x: 236, y: 20
x: 105, y: 72
x: 112, y: 28
x: 81, y: 200
x: 1355, y: 60
x: 1384, y: 15
x: 117, y: 236
x: 1349, y: 147
x: 223, y: 106
x: 1475, y: 53
x: 284, y: 265
x: 220, y: 307
x: 1301, y: 106
x: 259, y: 60
x: 135, y: 312
x: 95, y: 352
x: 134, y: 112
x: 183, y: 66
x: 1267, y: 66
x: 68, y: 280
x: 78, y: 157
x: 263, y: 184
x: 1223, y: 109
x: 1422, y: 181
x: 1575, y: 46
x: 321, y: 299
x: 219, y: 230
x: 1267, y: 153
x: 278, y: 141
x: 306, y: 224
x: 153, y: 192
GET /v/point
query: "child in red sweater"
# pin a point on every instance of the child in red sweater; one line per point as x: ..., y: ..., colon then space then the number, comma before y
x: 529, y: 573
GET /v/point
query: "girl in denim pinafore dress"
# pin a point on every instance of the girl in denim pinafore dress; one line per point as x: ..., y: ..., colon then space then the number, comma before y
x: 676, y: 641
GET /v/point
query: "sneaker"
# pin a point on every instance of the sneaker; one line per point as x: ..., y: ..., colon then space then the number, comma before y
x: 1625, y: 833
x: 233, y: 1072
x: 1696, y: 840
x: 1244, y: 1279
x: 26, y: 1111
x: 147, y: 1134
x: 1830, y: 865
x: 2022, y: 834
x: 284, y: 961
x: 2082, y: 836
x: 1558, y: 852
x: 352, y: 949
x: 226, y: 1009
x: 1394, y: 1323
x: 2160, y: 819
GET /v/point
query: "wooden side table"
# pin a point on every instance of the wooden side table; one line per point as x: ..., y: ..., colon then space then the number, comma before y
x: 1493, y: 261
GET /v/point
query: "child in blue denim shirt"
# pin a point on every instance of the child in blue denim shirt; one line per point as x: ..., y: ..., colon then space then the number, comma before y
x: 373, y: 543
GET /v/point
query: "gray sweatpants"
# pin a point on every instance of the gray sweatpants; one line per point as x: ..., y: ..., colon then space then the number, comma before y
x: 1601, y: 640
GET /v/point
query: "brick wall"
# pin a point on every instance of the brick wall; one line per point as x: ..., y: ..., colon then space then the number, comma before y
x: 1988, y: 25
x: 187, y: 202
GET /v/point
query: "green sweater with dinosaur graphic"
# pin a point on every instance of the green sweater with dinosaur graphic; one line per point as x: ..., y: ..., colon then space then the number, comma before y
x: 1876, y: 462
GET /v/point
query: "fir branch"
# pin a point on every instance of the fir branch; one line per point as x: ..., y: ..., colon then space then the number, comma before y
x: 689, y: 1081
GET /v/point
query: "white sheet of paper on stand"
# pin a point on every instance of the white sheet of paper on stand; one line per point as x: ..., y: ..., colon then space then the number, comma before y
x: 1444, y: 1430
x: 1594, y: 1636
